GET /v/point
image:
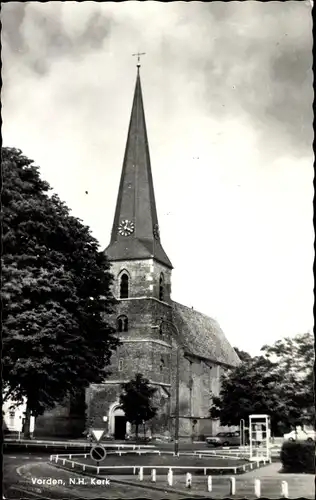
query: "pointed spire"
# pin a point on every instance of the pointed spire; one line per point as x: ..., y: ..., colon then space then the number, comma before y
x: 135, y: 231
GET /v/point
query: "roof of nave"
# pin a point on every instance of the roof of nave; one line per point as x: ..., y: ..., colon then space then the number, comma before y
x: 202, y: 336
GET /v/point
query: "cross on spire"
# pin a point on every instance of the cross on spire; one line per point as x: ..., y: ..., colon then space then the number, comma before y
x: 138, y: 54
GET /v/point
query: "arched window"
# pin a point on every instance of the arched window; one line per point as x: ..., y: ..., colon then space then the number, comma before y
x: 124, y: 282
x: 122, y: 324
x: 161, y: 287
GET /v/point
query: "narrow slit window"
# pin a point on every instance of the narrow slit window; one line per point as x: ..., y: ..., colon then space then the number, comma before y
x: 121, y: 365
x: 122, y: 324
x: 162, y: 364
x: 161, y: 287
x: 124, y: 286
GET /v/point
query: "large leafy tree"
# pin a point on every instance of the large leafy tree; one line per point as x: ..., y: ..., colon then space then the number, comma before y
x: 55, y: 294
x: 136, y: 401
x: 293, y: 364
x: 243, y: 355
x: 279, y: 383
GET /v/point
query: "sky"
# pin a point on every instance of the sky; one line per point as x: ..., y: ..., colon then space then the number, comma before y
x: 228, y: 95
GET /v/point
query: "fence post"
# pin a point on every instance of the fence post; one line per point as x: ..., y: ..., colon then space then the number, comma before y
x: 284, y: 489
x: 232, y: 486
x: 170, y: 477
x: 141, y: 474
x: 209, y: 483
x: 188, y: 480
x: 153, y: 475
x: 257, y: 488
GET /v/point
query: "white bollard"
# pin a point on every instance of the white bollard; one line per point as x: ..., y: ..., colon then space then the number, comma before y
x: 209, y: 483
x: 285, y: 489
x: 72, y: 465
x: 170, y: 477
x: 153, y: 475
x: 257, y: 488
x: 232, y: 486
x: 188, y: 480
x: 141, y: 474
x: 83, y: 467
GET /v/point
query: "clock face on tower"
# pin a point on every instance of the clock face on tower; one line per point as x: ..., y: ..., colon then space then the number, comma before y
x: 156, y: 231
x: 126, y: 227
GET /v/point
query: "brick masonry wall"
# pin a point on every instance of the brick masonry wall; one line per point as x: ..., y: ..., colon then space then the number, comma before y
x: 146, y: 350
x: 58, y: 422
x: 144, y: 278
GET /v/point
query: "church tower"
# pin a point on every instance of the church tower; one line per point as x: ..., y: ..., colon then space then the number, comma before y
x: 142, y: 285
x: 135, y: 240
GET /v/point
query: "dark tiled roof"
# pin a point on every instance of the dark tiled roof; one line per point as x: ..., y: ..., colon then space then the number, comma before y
x: 136, y: 198
x: 137, y: 249
x: 202, y: 336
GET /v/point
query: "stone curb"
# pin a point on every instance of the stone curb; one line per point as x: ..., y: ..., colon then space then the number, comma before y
x: 134, y: 483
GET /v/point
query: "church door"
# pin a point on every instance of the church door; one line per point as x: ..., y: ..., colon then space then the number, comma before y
x: 120, y: 427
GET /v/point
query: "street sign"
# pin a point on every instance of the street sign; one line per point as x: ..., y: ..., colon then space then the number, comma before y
x: 97, y: 434
x: 98, y: 453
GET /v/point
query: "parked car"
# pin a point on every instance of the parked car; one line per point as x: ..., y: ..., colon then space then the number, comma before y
x: 224, y: 439
x: 300, y: 435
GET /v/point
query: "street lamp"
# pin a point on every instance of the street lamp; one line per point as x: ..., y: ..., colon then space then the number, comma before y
x: 176, y: 426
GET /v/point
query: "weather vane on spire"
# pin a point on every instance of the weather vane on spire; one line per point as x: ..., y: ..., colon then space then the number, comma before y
x: 138, y: 54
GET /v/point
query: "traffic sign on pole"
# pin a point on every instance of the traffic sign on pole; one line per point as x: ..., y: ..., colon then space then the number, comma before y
x: 97, y: 434
x: 98, y: 453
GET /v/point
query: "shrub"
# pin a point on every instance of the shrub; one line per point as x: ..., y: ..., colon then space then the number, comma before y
x: 298, y: 456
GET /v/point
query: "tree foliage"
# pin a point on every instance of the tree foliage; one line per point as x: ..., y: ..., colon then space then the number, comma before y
x: 55, y: 293
x: 243, y: 355
x: 136, y: 401
x: 278, y: 383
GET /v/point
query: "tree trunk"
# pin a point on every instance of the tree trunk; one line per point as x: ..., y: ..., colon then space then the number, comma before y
x: 27, y: 423
x: 136, y: 431
x: 144, y: 430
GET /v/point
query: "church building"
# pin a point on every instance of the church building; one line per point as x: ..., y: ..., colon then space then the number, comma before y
x: 150, y: 325
x: 154, y: 330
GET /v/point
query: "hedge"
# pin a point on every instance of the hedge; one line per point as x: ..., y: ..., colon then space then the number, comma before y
x: 298, y: 456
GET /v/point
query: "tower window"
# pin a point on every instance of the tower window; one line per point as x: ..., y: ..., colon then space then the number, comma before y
x: 122, y: 324
x: 162, y: 364
x: 120, y: 365
x: 161, y: 287
x: 124, y: 285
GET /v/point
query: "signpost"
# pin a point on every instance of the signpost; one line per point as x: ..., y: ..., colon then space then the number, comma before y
x: 98, y: 453
x: 97, y: 434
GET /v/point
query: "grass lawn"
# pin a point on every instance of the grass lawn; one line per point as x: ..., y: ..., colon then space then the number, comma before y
x: 156, y: 461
